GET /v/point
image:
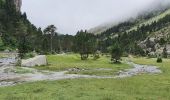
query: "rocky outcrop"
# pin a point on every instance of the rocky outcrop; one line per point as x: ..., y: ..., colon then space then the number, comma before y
x: 18, y: 4
x: 13, y: 4
x: 148, y: 45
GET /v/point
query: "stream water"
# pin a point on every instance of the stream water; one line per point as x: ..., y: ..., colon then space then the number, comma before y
x: 138, y: 69
x: 10, y: 78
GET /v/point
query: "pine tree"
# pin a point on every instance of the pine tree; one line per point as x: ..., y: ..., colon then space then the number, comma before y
x: 23, y: 46
x: 85, y: 44
x: 116, y: 53
x: 51, y: 30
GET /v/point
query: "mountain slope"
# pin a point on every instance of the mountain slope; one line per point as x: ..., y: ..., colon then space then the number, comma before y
x: 144, y: 17
x: 139, y: 36
x: 151, y: 20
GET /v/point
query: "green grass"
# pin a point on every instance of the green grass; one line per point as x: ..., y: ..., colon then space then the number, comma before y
x: 144, y: 87
x: 141, y: 87
x: 65, y: 62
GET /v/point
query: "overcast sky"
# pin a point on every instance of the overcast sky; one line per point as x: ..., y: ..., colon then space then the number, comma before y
x: 69, y: 16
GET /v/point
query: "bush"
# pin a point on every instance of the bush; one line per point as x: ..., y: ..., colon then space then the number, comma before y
x: 84, y: 56
x: 159, y: 60
x: 96, y: 55
x: 18, y: 62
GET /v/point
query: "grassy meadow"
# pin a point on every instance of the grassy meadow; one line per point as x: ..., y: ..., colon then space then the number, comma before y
x: 141, y: 87
x: 88, y: 67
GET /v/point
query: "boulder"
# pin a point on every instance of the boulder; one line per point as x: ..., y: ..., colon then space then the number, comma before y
x: 36, y: 61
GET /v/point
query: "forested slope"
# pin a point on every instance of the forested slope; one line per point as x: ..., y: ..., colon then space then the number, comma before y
x: 15, y: 27
x: 130, y: 34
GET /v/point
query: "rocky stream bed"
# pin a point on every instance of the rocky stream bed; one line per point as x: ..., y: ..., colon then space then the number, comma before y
x: 9, y: 76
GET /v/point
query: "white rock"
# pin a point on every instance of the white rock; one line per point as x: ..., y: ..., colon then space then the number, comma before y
x: 36, y: 61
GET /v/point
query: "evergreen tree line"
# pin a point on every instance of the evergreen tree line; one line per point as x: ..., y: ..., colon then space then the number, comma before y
x: 17, y: 33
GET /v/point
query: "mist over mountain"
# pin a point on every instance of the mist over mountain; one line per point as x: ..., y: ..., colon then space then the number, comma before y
x: 74, y: 15
x: 155, y: 7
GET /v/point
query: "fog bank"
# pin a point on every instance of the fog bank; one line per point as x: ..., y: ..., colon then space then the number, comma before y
x: 69, y: 16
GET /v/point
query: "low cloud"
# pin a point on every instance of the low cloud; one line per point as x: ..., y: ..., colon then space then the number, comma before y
x: 72, y: 15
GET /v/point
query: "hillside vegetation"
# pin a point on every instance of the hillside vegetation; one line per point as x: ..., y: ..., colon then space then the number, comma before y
x: 151, y: 20
x: 75, y: 65
x: 130, y: 34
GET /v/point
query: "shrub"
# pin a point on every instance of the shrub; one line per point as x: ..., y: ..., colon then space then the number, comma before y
x: 84, y: 56
x: 96, y: 55
x: 18, y: 62
x: 159, y: 60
